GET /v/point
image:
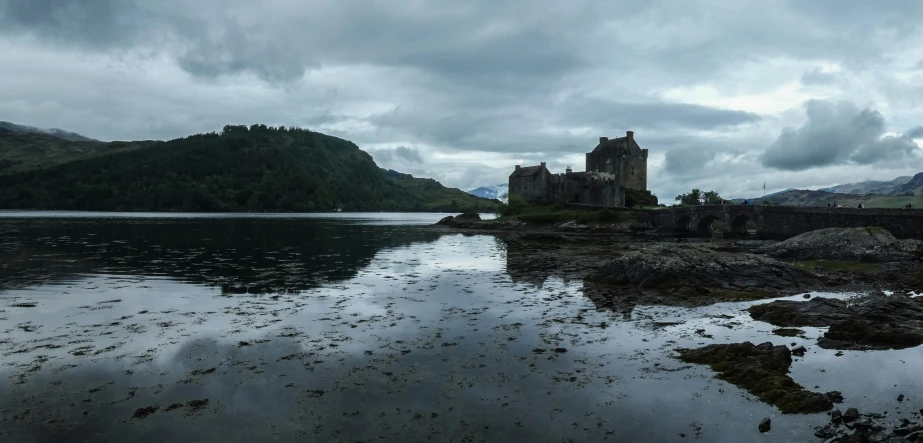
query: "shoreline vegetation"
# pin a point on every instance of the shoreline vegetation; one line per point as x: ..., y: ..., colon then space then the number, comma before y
x: 519, y: 215
x: 518, y: 210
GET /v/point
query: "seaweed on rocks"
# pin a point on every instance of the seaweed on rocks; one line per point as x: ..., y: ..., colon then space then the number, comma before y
x: 870, y: 244
x: 763, y: 371
x: 875, y: 322
x: 667, y: 267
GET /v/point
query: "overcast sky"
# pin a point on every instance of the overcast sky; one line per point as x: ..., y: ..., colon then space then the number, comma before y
x: 725, y: 94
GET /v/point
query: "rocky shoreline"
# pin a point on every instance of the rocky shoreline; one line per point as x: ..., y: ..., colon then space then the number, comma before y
x: 624, y: 265
x: 631, y: 255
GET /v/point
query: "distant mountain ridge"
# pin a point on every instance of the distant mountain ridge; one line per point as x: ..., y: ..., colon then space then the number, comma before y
x: 804, y: 197
x: 869, y: 186
x: 914, y: 185
x: 895, y: 193
x: 21, y: 150
x: 54, y: 132
x: 498, y: 192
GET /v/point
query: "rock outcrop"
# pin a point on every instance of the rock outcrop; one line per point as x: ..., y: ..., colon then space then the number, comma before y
x: 473, y: 221
x: 702, y: 269
x: 855, y: 427
x: 875, y: 322
x: 817, y: 312
x: 763, y: 371
x: 847, y: 244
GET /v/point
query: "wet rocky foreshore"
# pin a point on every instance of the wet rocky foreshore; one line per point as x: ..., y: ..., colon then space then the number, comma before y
x: 624, y: 265
x: 386, y: 328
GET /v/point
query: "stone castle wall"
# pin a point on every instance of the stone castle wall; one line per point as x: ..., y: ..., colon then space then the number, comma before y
x: 611, y: 167
x: 532, y: 188
x: 587, y: 188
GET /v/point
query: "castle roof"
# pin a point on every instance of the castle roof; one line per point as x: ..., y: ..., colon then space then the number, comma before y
x: 612, y: 142
x: 525, y: 171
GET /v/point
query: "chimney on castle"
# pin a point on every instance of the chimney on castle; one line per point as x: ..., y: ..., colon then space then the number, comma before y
x: 543, y: 163
x: 603, y: 139
x: 568, y: 170
x: 517, y: 167
x: 630, y: 135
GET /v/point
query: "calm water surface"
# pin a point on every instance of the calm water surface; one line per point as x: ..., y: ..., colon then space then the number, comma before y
x: 361, y: 327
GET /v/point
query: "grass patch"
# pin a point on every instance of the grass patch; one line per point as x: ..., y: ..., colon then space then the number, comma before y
x: 516, y: 209
x: 837, y: 265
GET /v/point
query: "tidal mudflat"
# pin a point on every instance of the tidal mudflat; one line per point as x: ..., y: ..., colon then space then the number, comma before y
x: 370, y: 328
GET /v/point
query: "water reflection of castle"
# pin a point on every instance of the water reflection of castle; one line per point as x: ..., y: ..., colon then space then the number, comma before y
x: 525, y: 266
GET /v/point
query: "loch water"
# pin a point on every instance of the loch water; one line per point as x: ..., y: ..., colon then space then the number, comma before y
x: 363, y: 327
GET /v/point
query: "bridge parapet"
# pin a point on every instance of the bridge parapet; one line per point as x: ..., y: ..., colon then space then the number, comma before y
x: 787, y: 221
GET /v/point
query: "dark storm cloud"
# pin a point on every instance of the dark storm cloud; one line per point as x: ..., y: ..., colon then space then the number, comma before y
x: 916, y: 132
x: 235, y: 50
x: 836, y: 133
x: 517, y: 43
x: 519, y: 127
x: 655, y: 115
x: 98, y: 24
x: 293, y: 38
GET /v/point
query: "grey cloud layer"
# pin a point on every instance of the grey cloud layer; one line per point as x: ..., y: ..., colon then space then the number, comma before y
x: 510, y: 42
x: 526, y: 80
x: 837, y: 133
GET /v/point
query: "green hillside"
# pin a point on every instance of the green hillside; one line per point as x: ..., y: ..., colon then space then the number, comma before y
x: 260, y: 169
x: 20, y: 151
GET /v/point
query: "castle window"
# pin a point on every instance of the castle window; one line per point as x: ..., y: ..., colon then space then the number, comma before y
x: 632, y: 170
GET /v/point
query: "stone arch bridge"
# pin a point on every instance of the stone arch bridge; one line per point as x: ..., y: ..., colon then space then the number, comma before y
x: 784, y: 221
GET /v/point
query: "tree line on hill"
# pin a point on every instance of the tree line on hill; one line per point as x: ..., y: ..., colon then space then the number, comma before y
x: 256, y: 168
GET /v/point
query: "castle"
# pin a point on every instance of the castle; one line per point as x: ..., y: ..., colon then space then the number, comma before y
x: 614, y: 165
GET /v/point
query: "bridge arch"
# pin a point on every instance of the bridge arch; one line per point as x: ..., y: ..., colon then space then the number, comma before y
x: 704, y: 227
x: 739, y: 224
x: 683, y: 222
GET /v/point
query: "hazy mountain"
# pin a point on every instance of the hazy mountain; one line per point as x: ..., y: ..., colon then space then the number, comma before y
x: 913, y: 185
x: 869, y: 186
x: 804, y: 197
x: 871, y: 193
x: 492, y: 192
x: 24, y: 150
x: 54, y: 132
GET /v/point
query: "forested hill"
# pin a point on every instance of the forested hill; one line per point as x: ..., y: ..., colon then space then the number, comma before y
x: 256, y: 168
